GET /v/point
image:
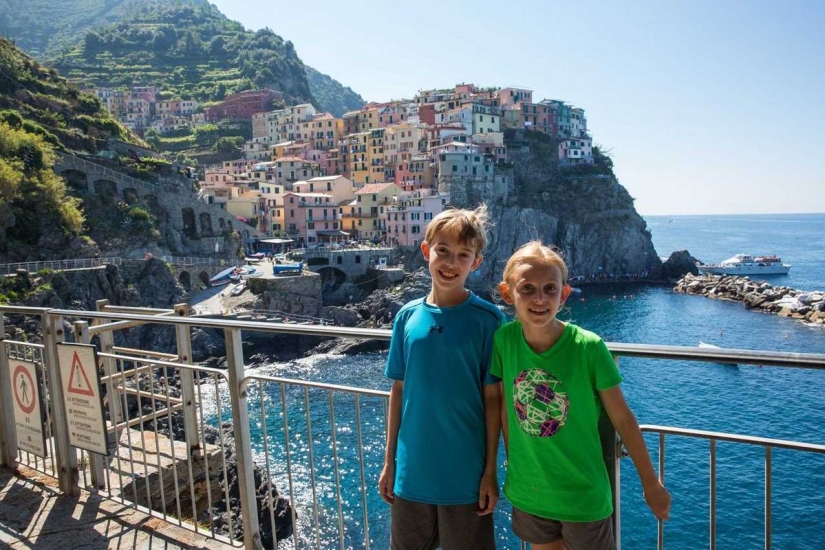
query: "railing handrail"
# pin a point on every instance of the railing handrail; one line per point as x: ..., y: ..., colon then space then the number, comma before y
x: 649, y: 351
x: 734, y: 438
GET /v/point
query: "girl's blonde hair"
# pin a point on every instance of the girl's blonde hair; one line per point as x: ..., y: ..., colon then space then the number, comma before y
x: 532, y: 253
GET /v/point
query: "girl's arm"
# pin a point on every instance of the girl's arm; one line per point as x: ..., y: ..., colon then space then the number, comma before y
x: 505, y: 428
x: 656, y: 496
x: 387, y: 480
x: 488, y: 489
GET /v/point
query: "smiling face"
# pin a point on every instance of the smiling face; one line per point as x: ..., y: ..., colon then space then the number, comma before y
x: 537, y: 291
x: 450, y: 262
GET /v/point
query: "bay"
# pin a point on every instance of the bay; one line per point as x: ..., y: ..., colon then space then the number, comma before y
x: 749, y: 400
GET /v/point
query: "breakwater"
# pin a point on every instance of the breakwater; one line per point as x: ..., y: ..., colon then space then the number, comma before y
x: 759, y: 295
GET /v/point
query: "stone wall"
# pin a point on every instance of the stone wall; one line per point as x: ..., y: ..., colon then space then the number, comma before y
x: 295, y: 294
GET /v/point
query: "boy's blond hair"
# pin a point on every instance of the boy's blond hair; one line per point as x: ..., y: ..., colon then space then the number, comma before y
x: 470, y: 226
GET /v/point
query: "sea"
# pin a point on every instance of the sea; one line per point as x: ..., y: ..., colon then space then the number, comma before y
x: 771, y: 402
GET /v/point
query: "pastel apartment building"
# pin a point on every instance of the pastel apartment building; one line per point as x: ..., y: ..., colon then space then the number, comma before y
x: 408, y: 216
x: 242, y: 105
x: 363, y: 216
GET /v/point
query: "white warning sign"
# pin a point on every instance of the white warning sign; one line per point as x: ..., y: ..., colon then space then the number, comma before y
x: 28, y: 410
x: 81, y: 393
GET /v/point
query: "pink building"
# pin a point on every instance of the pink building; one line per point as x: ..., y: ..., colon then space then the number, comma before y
x: 242, y: 105
x: 407, y: 219
x: 307, y: 214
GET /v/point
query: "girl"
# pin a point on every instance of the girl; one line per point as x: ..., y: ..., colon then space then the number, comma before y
x: 555, y: 375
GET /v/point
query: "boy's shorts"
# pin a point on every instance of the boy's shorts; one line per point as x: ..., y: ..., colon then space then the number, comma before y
x: 420, y: 526
x: 586, y: 535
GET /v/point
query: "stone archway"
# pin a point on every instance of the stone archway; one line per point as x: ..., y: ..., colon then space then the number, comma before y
x: 203, y: 277
x: 185, y: 281
x: 331, y: 278
x: 130, y: 196
x: 76, y: 180
x: 106, y: 191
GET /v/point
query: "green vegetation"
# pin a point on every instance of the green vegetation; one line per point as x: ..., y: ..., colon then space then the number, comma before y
x: 38, y: 101
x: 33, y: 199
x: 332, y: 96
x: 186, y: 47
x: 191, y: 51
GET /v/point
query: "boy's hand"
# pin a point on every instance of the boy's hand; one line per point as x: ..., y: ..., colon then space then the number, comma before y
x: 658, y: 500
x: 386, y: 482
x: 487, y: 494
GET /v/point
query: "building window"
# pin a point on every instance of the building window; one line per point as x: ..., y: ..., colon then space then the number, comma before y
x: 358, y: 258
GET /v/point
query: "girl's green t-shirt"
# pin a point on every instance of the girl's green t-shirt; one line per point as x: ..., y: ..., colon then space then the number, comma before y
x: 555, y: 466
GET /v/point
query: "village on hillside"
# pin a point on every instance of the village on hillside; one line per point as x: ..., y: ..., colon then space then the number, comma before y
x: 313, y: 179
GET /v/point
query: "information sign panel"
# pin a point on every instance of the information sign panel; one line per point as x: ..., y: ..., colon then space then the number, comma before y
x: 28, y: 410
x: 81, y: 393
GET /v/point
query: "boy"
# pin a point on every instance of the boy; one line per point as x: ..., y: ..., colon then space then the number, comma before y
x: 443, y: 426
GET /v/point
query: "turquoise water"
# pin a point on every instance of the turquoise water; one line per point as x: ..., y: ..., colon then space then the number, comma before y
x: 767, y: 402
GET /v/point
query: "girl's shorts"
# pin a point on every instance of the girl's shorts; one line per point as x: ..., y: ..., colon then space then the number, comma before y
x: 585, y: 535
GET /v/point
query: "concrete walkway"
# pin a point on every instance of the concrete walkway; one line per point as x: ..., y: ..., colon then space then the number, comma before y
x: 34, y: 515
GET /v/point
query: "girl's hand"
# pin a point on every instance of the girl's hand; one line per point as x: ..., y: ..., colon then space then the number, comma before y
x: 658, y: 500
x: 386, y: 483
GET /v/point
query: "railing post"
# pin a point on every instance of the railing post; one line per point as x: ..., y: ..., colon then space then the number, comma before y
x: 187, y: 383
x: 65, y: 456
x: 81, y: 336
x: 107, y: 344
x: 8, y: 432
x: 243, y: 447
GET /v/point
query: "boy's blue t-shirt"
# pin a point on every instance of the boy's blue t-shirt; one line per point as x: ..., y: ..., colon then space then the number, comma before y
x: 443, y: 357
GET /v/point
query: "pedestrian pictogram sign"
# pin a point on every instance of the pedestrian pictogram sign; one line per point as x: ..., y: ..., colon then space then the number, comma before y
x: 82, y: 397
x: 28, y: 412
x: 78, y: 381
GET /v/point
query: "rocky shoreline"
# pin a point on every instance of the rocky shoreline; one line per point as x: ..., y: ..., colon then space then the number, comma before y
x: 808, y: 307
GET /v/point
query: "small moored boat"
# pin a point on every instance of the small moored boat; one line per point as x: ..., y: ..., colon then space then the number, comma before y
x: 745, y: 264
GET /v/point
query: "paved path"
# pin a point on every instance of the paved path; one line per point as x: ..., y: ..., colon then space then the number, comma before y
x: 34, y: 515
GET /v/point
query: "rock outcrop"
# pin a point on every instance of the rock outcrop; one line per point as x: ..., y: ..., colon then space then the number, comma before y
x: 759, y: 295
x: 679, y: 264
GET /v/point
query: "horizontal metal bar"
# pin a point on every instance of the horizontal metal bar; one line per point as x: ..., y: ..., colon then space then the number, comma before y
x: 129, y: 309
x: 160, y: 363
x: 150, y: 395
x: 23, y: 310
x: 319, y: 385
x: 25, y: 344
x: 734, y: 438
x: 260, y: 326
x: 146, y: 353
x: 143, y: 418
x: 772, y: 358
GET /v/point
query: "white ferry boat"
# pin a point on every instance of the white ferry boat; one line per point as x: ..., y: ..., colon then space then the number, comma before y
x: 745, y: 264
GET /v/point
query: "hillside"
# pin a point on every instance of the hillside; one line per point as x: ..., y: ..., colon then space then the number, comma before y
x: 187, y: 47
x: 42, y: 114
x: 332, y: 96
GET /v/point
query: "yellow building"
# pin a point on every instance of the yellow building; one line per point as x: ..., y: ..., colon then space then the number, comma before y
x: 366, y: 215
x: 375, y: 156
x: 358, y: 153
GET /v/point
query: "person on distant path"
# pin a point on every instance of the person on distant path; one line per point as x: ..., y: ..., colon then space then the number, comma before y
x: 556, y: 379
x: 444, y: 414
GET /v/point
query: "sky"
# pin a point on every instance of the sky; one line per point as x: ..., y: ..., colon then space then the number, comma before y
x: 706, y: 107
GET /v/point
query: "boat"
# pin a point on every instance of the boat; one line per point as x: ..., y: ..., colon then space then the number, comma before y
x: 238, y: 289
x: 745, y: 264
x: 222, y: 278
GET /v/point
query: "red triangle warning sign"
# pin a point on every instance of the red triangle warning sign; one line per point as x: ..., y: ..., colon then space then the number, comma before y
x: 78, y: 381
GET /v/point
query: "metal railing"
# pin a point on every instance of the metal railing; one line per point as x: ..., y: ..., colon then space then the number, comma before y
x: 88, y: 263
x: 319, y: 446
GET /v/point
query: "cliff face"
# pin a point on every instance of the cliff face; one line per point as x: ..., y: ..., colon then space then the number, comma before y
x: 584, y: 212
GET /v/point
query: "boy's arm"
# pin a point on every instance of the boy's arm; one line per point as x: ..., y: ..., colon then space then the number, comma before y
x: 656, y: 496
x: 387, y: 480
x: 488, y: 489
